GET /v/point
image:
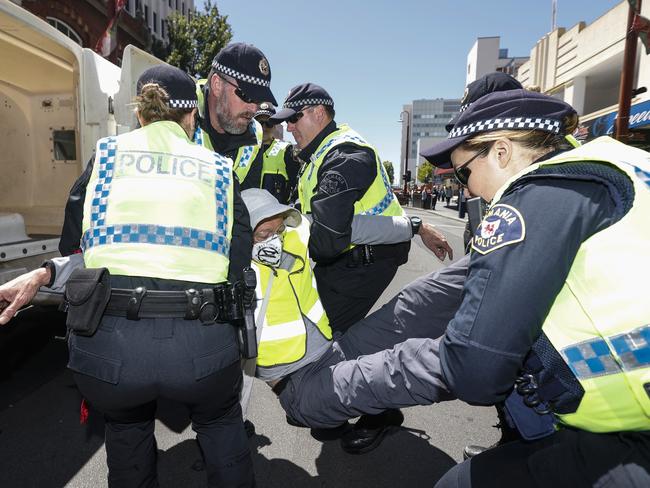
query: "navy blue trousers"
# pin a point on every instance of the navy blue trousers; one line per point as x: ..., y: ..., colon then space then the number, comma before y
x: 127, y: 365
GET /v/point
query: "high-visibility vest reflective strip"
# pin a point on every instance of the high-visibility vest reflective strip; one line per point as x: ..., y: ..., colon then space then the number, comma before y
x: 285, y: 330
x: 377, y: 200
x: 594, y: 358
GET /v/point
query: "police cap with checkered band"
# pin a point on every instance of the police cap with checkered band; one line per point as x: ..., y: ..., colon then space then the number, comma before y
x: 179, y: 85
x: 248, y: 65
x: 302, y: 96
x: 490, y: 83
x: 506, y: 110
x: 266, y: 110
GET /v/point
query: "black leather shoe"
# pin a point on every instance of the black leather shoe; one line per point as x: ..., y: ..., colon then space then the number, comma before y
x: 369, y: 431
x: 332, y: 434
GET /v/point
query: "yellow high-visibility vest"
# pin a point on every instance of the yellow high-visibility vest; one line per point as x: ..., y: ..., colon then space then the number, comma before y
x: 158, y: 205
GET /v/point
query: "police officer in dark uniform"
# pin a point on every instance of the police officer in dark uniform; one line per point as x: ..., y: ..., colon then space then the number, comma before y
x: 279, y: 167
x: 148, y: 330
x: 547, y: 323
x: 343, y: 175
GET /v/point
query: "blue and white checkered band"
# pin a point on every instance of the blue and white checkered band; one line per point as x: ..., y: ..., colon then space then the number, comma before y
x: 308, y: 101
x: 515, y: 123
x: 464, y: 107
x: 593, y: 358
x: 101, y: 234
x: 263, y: 112
x: 644, y: 176
x: 246, y: 156
x: 183, y: 103
x: 241, y: 76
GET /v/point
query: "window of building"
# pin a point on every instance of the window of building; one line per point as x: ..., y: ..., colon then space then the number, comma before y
x: 183, y: 9
x: 146, y: 15
x: 170, y: 3
x: 65, y: 28
x: 163, y: 25
x: 155, y: 22
x: 127, y: 6
x: 176, y: 4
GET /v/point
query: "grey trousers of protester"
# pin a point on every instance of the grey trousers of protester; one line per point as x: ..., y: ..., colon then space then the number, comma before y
x: 387, y: 360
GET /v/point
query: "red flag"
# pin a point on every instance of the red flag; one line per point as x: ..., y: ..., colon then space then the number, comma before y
x: 641, y: 26
x: 107, y: 43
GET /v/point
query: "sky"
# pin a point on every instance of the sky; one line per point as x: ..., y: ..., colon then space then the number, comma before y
x: 375, y: 56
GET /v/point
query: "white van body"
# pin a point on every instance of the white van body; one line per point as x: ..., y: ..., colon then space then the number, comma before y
x: 56, y: 100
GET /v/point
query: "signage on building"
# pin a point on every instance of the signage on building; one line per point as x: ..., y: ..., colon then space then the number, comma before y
x: 604, y: 125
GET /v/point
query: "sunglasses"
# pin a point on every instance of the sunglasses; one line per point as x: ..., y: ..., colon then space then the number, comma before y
x: 238, y: 91
x: 462, y: 172
x: 267, y: 124
x: 298, y: 115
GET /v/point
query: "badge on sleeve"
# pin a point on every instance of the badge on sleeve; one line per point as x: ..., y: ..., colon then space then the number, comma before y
x: 501, y: 226
x: 332, y: 183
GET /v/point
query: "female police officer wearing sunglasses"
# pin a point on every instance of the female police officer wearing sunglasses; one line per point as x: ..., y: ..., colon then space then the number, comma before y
x: 159, y: 215
x: 554, y: 317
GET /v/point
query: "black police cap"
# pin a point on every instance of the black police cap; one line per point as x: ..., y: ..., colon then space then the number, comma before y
x: 266, y: 109
x: 507, y: 110
x: 179, y: 85
x: 490, y: 83
x: 249, y: 67
x: 302, y: 96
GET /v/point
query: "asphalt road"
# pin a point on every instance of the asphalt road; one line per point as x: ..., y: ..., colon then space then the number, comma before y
x: 42, y: 443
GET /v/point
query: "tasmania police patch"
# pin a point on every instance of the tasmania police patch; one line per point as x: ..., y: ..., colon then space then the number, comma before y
x: 502, y: 225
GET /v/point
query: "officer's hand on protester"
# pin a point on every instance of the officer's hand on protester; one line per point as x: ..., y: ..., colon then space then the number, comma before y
x: 19, y: 292
x: 435, y: 241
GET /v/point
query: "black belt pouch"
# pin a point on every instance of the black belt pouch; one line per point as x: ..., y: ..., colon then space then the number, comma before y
x: 87, y: 292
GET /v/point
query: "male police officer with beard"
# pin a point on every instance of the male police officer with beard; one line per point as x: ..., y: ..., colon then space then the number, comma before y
x: 238, y: 82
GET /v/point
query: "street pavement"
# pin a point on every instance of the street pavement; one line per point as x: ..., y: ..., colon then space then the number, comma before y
x: 42, y: 443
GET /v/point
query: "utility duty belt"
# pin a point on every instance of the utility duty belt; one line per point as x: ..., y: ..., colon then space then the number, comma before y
x: 89, y: 297
x: 366, y: 254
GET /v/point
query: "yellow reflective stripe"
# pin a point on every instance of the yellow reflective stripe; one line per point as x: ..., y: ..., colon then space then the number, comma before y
x: 278, y: 332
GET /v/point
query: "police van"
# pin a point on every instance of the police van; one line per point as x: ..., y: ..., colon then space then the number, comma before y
x: 56, y: 100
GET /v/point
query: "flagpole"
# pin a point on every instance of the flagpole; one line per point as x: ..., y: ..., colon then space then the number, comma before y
x: 627, y: 76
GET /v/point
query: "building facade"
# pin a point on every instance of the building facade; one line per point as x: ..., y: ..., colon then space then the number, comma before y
x: 486, y: 56
x: 426, y: 123
x: 155, y: 12
x: 582, y: 65
x: 141, y: 22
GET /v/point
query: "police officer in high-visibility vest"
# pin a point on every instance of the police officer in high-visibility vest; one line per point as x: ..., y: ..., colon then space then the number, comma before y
x: 279, y: 167
x: 229, y: 97
x: 345, y: 177
x: 159, y: 217
x: 554, y: 318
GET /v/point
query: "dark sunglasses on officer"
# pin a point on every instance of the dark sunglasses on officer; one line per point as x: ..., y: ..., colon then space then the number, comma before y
x: 238, y: 91
x: 462, y: 172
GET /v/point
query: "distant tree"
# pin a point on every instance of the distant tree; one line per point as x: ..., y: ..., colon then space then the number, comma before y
x: 425, y: 172
x: 388, y: 165
x: 194, y: 41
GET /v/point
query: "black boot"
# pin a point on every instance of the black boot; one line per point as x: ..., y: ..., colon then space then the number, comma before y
x: 369, y: 431
x: 508, y: 434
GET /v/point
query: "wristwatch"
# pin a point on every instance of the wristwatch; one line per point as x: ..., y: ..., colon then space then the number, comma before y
x: 49, y: 265
x: 416, y: 222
